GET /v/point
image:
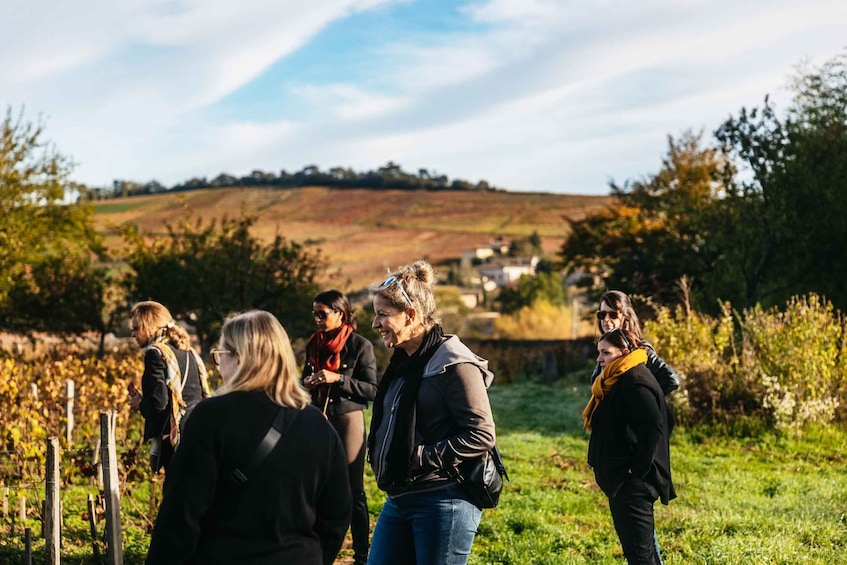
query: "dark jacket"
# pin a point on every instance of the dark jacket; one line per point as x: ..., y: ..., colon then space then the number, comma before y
x: 294, y: 508
x: 156, y: 398
x: 629, y: 435
x: 664, y: 373
x: 453, y: 421
x: 358, y: 365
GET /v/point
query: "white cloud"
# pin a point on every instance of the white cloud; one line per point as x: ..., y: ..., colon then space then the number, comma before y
x: 530, y: 94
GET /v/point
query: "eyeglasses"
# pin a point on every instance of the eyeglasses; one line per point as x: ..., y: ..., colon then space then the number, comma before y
x: 216, y: 354
x: 322, y: 314
x: 613, y: 314
x: 391, y: 280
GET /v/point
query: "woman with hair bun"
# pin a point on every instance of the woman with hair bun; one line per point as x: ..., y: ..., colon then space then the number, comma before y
x: 430, y: 415
x: 173, y: 382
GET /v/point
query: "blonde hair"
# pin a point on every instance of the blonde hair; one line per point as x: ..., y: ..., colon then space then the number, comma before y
x: 266, y: 359
x: 153, y: 317
x: 418, y: 282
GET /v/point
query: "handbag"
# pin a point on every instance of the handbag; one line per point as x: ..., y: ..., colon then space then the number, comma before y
x: 482, y: 478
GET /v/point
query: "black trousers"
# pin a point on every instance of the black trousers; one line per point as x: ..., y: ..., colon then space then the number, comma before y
x: 351, y: 430
x: 632, y: 513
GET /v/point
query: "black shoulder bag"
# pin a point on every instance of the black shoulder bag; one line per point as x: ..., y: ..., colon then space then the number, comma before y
x: 282, y: 422
x: 482, y: 478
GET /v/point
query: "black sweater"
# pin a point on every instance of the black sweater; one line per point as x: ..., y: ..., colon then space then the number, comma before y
x: 295, y: 508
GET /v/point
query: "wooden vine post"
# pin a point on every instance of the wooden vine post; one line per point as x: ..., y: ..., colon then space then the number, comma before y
x: 111, y: 489
x: 52, y: 504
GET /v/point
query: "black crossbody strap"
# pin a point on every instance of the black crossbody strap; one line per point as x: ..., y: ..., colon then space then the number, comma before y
x: 282, y: 422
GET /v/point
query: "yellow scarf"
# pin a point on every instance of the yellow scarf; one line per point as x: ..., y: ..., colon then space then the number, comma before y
x: 608, y: 379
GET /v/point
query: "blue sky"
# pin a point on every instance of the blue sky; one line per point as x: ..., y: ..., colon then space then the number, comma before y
x: 531, y: 95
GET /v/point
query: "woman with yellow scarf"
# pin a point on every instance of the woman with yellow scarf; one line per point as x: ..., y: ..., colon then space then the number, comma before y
x: 629, y: 445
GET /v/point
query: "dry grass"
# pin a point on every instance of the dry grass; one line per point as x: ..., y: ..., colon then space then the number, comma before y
x: 363, y: 232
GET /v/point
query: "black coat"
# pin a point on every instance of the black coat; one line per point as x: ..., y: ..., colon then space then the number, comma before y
x: 629, y: 435
x: 156, y: 397
x: 358, y: 365
x: 295, y: 508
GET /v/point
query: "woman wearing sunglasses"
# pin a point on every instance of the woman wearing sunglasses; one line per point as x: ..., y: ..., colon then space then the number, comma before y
x: 225, y: 500
x: 431, y: 413
x: 629, y: 444
x: 340, y: 374
x: 616, y: 311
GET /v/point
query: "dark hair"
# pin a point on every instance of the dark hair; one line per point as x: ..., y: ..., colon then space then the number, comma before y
x: 622, y: 339
x: 336, y: 300
x: 619, y: 301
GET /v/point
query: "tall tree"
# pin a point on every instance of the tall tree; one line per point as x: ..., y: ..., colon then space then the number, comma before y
x: 794, y: 194
x: 656, y: 229
x: 48, y: 276
x: 204, y: 273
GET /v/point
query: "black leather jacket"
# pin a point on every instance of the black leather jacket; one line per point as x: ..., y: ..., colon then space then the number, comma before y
x: 358, y: 365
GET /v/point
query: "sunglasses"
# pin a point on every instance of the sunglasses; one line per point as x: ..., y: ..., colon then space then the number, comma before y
x: 322, y: 314
x: 613, y: 314
x: 391, y: 280
x: 216, y: 354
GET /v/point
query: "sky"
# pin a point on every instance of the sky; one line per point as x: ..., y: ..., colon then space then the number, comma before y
x: 529, y: 95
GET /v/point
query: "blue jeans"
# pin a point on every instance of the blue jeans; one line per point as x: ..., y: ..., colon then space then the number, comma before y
x: 428, y: 528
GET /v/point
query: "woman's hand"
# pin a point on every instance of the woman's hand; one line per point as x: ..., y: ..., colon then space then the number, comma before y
x: 324, y: 376
x: 135, y: 402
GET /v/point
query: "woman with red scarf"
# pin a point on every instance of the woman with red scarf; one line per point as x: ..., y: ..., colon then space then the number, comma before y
x: 340, y: 373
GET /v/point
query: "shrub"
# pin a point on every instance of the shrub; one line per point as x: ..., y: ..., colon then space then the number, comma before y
x: 759, y: 368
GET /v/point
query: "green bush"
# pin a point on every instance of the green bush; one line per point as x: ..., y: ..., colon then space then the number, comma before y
x: 744, y: 372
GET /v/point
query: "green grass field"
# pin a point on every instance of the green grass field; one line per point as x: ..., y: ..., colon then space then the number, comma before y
x: 772, y: 499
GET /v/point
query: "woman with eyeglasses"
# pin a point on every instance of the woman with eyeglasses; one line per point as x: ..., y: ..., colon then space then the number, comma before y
x: 430, y: 415
x: 629, y: 448
x: 260, y: 476
x: 173, y: 382
x: 340, y: 373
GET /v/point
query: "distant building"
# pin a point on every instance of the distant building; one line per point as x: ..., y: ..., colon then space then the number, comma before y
x: 505, y: 271
x: 470, y: 257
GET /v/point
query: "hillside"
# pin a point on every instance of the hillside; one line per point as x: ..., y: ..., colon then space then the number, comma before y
x: 363, y: 232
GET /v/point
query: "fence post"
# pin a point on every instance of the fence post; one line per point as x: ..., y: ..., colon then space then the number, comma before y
x: 111, y: 489
x: 69, y: 411
x: 27, y: 546
x: 52, y: 506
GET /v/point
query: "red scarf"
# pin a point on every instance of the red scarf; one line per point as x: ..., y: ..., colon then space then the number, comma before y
x: 325, y: 352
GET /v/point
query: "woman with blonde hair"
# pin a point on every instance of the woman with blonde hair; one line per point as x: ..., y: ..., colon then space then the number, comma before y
x: 431, y: 414
x: 260, y: 476
x: 173, y: 382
